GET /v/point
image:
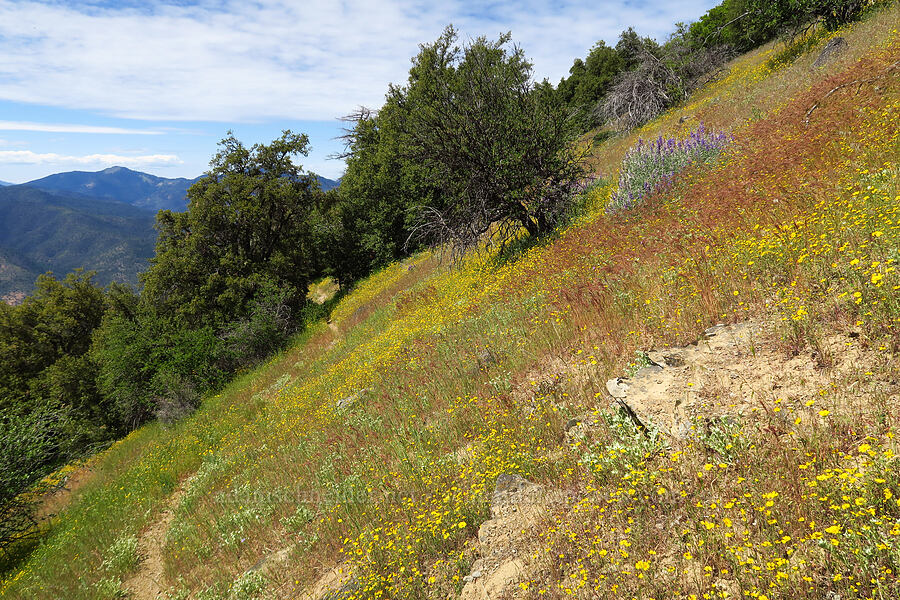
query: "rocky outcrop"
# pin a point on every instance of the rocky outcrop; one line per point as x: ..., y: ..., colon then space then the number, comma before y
x: 732, y: 370
x: 834, y: 48
x: 668, y: 393
x: 518, y: 508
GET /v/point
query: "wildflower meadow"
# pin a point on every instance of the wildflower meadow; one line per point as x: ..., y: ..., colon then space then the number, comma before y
x: 361, y: 462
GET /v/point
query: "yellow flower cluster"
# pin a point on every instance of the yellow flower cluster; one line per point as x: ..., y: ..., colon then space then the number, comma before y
x: 374, y: 445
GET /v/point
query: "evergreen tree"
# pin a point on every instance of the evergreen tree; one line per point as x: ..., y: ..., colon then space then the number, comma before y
x: 247, y: 228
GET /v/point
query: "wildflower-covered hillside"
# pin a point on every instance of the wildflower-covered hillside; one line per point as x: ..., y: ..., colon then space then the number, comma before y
x: 453, y: 432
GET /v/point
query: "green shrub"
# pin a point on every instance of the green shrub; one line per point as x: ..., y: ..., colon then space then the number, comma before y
x: 109, y: 588
x: 264, y: 331
x: 627, y: 447
x: 122, y: 556
x: 797, y: 48
x: 248, y: 586
x: 296, y: 521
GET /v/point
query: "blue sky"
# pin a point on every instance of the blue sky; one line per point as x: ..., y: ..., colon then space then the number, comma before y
x: 154, y: 86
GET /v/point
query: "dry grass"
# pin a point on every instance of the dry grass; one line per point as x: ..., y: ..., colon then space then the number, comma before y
x: 375, y: 444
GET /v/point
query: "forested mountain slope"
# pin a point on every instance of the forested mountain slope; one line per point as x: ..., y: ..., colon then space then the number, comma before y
x: 42, y: 231
x: 122, y: 184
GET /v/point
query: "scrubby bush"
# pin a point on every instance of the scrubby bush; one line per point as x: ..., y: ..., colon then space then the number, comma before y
x: 109, y: 588
x: 143, y: 356
x: 29, y: 447
x: 178, y: 401
x: 248, y: 586
x: 641, y: 94
x: 658, y: 76
x: 264, y: 330
x: 249, y: 223
x: 588, y: 81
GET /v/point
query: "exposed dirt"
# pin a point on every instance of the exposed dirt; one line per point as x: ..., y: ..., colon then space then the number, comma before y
x: 54, y: 502
x: 148, y: 582
x: 733, y: 370
x: 330, y: 584
x: 13, y: 298
x: 518, y: 510
x: 323, y: 291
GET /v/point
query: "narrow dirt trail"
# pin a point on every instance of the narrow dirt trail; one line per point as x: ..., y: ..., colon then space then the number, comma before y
x: 148, y: 582
x: 60, y: 498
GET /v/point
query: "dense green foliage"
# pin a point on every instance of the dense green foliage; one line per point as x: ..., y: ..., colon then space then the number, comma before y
x: 745, y: 24
x: 248, y: 227
x: 45, y: 343
x: 639, y: 78
x: 588, y: 81
x: 227, y: 287
x: 497, y: 147
x: 50, y: 408
x: 468, y: 144
x: 144, y: 358
x: 373, y: 211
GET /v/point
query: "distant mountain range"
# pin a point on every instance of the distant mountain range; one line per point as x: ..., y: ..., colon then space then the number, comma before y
x: 5, y: 183
x: 42, y: 231
x: 101, y: 221
x: 328, y: 184
x: 123, y: 185
x: 131, y: 187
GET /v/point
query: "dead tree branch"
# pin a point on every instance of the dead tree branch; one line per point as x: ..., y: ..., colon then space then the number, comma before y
x: 857, y: 82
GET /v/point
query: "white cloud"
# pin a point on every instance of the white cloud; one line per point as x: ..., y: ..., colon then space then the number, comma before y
x: 27, y: 157
x: 303, y: 60
x: 71, y: 128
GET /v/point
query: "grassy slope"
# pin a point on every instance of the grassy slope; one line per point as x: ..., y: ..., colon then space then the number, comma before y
x: 800, y: 223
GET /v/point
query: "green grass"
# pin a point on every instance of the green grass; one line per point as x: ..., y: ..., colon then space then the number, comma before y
x: 461, y: 374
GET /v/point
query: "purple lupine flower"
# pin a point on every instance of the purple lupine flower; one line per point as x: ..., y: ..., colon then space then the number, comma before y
x: 650, y: 167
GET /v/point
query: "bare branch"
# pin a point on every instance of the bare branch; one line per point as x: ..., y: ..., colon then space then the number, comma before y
x: 719, y: 31
x: 858, y: 82
x: 350, y: 132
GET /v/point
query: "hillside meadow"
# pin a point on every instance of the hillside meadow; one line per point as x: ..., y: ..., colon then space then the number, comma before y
x: 361, y: 462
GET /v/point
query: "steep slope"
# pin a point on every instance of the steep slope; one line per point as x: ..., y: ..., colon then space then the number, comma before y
x: 453, y: 433
x: 42, y: 231
x: 328, y: 184
x: 124, y: 185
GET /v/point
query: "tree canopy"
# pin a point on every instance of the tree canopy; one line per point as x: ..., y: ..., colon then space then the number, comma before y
x: 248, y: 226
x: 495, y: 145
